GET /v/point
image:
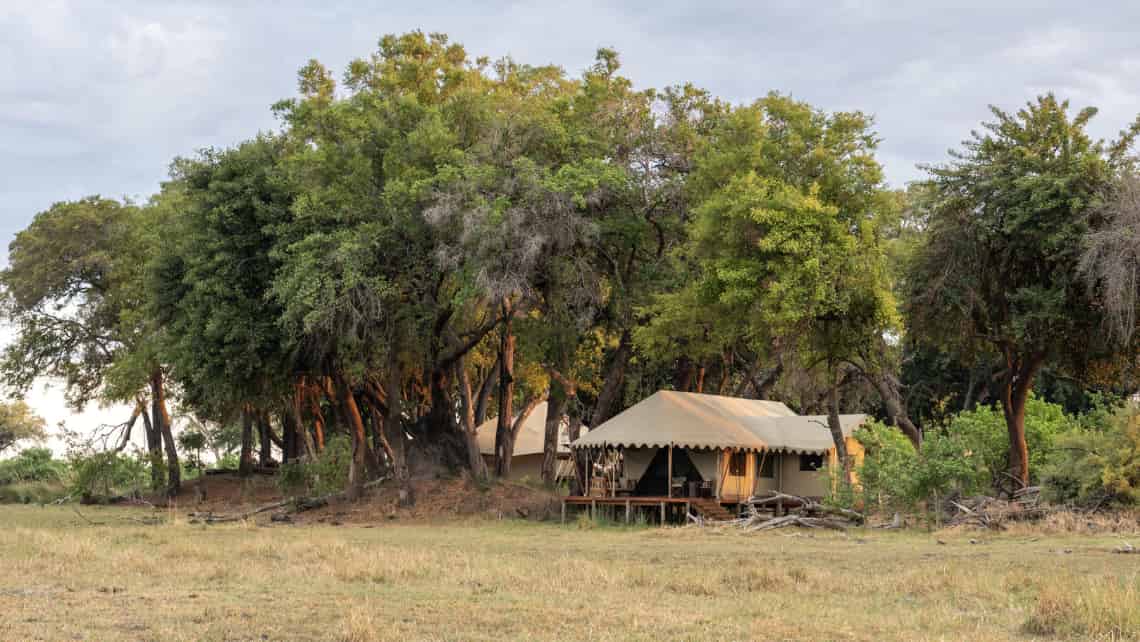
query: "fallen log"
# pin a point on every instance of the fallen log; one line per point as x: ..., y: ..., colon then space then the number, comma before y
x: 796, y: 520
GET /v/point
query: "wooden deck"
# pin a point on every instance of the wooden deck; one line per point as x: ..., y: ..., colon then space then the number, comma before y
x: 631, y: 503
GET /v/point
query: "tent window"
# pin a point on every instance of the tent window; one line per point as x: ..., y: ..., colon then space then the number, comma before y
x: 738, y: 464
x: 811, y: 462
x: 767, y: 465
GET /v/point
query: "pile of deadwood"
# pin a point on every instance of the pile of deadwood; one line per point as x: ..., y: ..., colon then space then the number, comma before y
x: 990, y: 512
x: 281, y: 509
x: 770, y: 510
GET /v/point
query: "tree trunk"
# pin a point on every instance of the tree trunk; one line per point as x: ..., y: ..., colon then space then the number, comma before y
x: 394, y: 428
x: 573, y: 431
x: 314, y: 395
x: 289, y: 439
x: 485, y: 391
x: 154, y: 452
x: 295, y: 410
x: 443, y: 430
x: 555, y: 409
x: 896, y: 408
x: 474, y: 457
x: 126, y: 438
x: 682, y: 375
x: 264, y: 443
x: 836, y: 429
x: 611, y: 386
x: 503, y: 442
x: 1016, y: 387
x: 357, y: 467
x: 245, y: 465
x: 508, y: 449
x: 161, y: 420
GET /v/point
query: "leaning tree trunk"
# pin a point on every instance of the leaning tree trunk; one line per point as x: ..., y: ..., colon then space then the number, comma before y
x: 503, y: 442
x: 560, y: 394
x: 1016, y: 387
x: 896, y: 410
x: 611, y: 387
x: 488, y: 386
x: 358, y: 464
x: 516, y: 426
x: 161, y: 419
x: 836, y: 429
x: 475, y: 461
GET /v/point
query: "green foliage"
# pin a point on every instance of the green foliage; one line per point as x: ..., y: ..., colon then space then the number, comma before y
x: 106, y: 474
x: 893, y: 477
x: 983, y: 432
x: 32, y: 465
x: 19, y: 423
x: 964, y: 457
x: 192, y: 442
x: 328, y: 474
x: 886, y: 477
x: 1098, y: 462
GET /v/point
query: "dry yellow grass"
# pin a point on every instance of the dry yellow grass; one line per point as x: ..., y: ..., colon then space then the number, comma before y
x: 62, y: 578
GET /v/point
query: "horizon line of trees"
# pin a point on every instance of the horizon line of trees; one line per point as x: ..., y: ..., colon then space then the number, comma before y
x: 437, y: 240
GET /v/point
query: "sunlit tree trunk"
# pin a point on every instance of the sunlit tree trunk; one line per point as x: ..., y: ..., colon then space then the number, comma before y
x: 1017, y: 385
x: 357, y: 467
x: 161, y: 420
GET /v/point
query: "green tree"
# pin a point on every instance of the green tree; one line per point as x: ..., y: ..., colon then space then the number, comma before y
x: 75, y: 290
x: 998, y: 271
x: 19, y: 423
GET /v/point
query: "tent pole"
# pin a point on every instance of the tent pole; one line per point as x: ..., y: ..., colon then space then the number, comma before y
x: 670, y: 488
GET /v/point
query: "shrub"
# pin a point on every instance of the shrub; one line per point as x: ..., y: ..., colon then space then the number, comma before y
x: 108, y: 473
x: 886, y: 476
x: 895, y: 477
x: 983, y: 433
x: 327, y: 474
x: 1097, y: 464
x: 32, y: 465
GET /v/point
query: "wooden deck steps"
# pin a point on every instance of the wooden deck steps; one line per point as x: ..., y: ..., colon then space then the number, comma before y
x: 711, y: 509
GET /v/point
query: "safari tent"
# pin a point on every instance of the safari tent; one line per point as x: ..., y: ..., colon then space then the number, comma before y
x: 711, y: 448
x: 527, y: 459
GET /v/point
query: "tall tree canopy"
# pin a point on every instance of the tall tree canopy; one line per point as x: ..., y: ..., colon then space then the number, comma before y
x: 1007, y: 219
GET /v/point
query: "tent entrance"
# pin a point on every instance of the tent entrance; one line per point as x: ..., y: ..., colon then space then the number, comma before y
x: 655, y: 481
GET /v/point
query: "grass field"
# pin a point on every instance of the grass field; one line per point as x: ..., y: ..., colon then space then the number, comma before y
x: 62, y: 577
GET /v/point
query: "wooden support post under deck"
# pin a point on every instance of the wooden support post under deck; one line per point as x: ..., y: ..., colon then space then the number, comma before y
x: 593, y: 506
x: 563, y: 511
x: 662, y: 513
x: 687, y: 505
x: 627, y: 507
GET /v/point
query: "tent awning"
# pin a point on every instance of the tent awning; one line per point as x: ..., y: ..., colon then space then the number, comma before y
x: 697, y: 421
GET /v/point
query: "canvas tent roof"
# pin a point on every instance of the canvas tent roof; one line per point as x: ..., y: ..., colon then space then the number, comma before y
x: 532, y: 434
x: 692, y: 420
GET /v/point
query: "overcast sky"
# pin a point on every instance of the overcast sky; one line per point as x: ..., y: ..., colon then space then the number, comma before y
x: 99, y: 96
